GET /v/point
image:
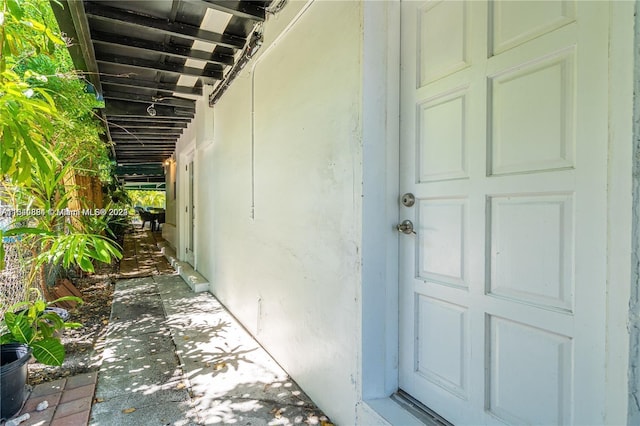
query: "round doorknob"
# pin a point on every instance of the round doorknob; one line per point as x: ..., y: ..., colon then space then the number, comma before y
x: 406, y: 227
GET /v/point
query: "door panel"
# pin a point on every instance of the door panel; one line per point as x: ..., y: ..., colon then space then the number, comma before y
x: 504, y: 145
x: 530, y: 377
x: 530, y: 243
x: 190, y: 212
x: 441, y: 244
x: 444, y: 325
x: 439, y: 120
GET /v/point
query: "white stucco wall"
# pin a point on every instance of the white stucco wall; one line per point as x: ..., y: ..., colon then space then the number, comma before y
x: 278, y: 233
x: 281, y: 204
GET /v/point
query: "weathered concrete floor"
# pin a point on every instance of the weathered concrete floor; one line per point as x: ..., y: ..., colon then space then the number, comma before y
x: 141, y: 257
x: 176, y: 357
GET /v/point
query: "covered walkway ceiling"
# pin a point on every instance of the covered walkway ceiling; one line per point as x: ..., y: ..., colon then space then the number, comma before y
x: 149, y: 60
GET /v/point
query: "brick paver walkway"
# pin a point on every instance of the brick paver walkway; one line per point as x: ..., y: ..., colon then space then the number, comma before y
x: 141, y: 257
x: 69, y: 401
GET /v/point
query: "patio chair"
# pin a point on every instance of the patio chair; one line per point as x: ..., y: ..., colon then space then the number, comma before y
x: 145, y: 216
x: 161, y: 219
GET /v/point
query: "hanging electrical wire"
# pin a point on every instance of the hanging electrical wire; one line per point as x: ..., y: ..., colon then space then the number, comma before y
x: 249, y: 51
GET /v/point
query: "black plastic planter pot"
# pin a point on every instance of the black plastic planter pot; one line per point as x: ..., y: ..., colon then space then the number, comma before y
x: 62, y: 313
x: 13, y: 377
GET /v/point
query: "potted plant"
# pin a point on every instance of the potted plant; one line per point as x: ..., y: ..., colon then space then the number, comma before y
x: 29, y: 327
x: 13, y: 376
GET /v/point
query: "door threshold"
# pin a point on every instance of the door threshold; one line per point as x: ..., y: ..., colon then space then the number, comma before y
x: 419, y: 410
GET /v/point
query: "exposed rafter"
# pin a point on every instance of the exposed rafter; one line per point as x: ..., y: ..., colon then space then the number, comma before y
x: 117, y: 108
x: 172, y: 50
x: 163, y: 100
x: 169, y: 149
x: 138, y: 57
x: 138, y: 141
x: 208, y: 76
x: 240, y: 9
x: 114, y: 126
x: 146, y: 151
x: 189, y: 32
x: 147, y: 119
x: 145, y: 84
x: 133, y: 139
x: 146, y: 131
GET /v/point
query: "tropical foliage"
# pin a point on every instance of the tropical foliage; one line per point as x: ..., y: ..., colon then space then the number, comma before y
x: 45, y: 108
x: 34, y: 326
x: 45, y: 116
x: 27, y: 108
x: 147, y: 198
x: 48, y: 133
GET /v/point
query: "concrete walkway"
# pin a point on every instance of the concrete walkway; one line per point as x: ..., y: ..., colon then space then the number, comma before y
x: 172, y: 357
x: 176, y: 357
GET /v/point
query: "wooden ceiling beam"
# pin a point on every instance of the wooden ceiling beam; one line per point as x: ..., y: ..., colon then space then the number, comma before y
x: 135, y: 140
x: 151, y: 85
x: 161, y: 48
x: 241, y: 9
x: 145, y: 151
x: 148, y: 121
x: 138, y: 140
x: 144, y: 143
x: 207, y: 76
x: 147, y: 23
x: 162, y: 100
x: 143, y: 148
x: 118, y: 116
x: 146, y: 131
x: 133, y: 127
x: 116, y: 108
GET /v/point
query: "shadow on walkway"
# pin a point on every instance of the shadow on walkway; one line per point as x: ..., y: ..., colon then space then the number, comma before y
x: 141, y: 257
x: 177, y: 357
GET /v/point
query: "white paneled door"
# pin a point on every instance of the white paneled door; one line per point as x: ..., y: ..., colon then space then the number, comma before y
x: 504, y: 146
x: 190, y: 211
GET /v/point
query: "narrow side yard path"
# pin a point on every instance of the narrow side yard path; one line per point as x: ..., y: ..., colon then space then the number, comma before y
x: 140, y: 381
x: 171, y: 357
x: 141, y: 257
x: 176, y: 357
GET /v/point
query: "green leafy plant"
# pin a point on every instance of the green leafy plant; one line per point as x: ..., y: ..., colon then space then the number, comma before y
x: 147, y: 198
x: 78, y: 249
x: 27, y: 109
x: 55, y: 238
x: 31, y: 324
x: 45, y: 115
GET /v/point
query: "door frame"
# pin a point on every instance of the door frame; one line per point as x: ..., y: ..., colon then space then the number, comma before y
x: 378, y: 363
x: 380, y: 210
x: 183, y: 215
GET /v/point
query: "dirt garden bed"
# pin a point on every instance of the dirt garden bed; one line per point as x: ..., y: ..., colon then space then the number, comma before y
x: 83, y: 345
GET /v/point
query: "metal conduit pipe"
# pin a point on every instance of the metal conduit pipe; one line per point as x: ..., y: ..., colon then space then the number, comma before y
x: 248, y: 51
